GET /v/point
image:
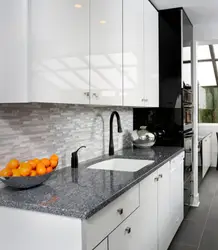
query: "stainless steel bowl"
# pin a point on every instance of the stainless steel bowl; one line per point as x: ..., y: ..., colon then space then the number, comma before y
x: 143, y: 138
x: 25, y: 182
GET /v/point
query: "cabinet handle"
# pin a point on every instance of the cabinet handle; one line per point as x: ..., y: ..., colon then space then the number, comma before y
x: 95, y: 95
x: 144, y: 100
x: 86, y: 94
x: 128, y: 230
x: 160, y: 176
x: 156, y: 179
x: 120, y: 211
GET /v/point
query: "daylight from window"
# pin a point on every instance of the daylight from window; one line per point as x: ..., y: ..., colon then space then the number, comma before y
x: 207, y: 81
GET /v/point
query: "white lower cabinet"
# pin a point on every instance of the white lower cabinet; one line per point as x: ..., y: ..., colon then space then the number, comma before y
x: 144, y: 218
x: 176, y: 191
x: 148, y: 207
x: 129, y: 235
x: 163, y: 212
x: 206, y: 154
x: 102, y: 245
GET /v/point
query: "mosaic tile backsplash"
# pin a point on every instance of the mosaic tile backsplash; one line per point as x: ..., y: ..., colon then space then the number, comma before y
x: 39, y: 130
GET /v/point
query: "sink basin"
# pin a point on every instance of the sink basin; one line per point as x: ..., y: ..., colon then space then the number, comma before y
x: 126, y: 165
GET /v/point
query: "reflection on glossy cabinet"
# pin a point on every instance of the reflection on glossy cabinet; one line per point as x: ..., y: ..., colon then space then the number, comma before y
x: 59, y: 35
x: 151, y: 55
x: 133, y: 58
x: 13, y: 50
x: 102, y: 246
x: 106, y: 52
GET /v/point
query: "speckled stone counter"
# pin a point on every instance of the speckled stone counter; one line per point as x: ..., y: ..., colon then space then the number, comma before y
x: 82, y: 192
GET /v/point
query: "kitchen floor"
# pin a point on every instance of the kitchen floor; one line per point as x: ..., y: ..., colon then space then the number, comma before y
x: 199, y: 230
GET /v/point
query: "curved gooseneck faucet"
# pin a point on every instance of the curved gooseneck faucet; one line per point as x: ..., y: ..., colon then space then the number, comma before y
x: 119, y: 130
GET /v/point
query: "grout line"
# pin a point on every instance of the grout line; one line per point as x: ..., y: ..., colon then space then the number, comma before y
x: 211, y: 204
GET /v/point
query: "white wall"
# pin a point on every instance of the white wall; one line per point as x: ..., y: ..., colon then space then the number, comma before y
x: 206, y: 128
x: 206, y: 33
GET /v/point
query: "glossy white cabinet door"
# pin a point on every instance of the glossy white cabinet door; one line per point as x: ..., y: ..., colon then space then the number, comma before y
x: 177, y: 192
x: 133, y: 57
x: 206, y: 155
x: 128, y: 235
x: 102, y: 246
x: 164, y: 213
x: 148, y: 210
x: 13, y: 51
x: 210, y: 149
x: 59, y: 51
x: 106, y: 52
x: 151, y: 55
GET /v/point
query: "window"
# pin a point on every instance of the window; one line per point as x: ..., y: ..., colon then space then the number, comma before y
x: 208, y: 83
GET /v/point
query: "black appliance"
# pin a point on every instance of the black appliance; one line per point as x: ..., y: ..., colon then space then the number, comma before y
x: 174, y: 116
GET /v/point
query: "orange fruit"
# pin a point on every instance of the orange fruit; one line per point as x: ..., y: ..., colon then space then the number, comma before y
x: 54, y: 157
x: 54, y: 163
x: 36, y: 160
x: 32, y: 163
x: 33, y: 173
x: 16, y: 172
x: 22, y: 164
x: 6, y: 172
x: 49, y: 170
x: 25, y: 169
x: 40, y: 169
x: 13, y: 164
x: 46, y: 162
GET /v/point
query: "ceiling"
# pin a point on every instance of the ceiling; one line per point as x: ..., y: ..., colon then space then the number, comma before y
x: 199, y: 11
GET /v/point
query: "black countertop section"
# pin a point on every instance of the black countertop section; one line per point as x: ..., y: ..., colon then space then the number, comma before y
x: 82, y: 192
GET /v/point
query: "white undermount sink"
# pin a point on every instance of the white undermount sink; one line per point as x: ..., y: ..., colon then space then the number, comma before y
x: 126, y: 165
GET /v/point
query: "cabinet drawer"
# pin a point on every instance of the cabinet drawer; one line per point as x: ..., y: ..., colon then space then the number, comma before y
x: 129, y: 235
x: 101, y: 224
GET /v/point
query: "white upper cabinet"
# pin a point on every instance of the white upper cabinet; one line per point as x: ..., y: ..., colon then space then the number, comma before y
x: 59, y: 51
x: 151, y: 55
x: 106, y: 52
x: 13, y: 51
x: 133, y: 57
x: 102, y: 52
x: 140, y: 54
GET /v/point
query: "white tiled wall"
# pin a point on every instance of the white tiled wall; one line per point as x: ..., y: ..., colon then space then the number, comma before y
x: 39, y: 130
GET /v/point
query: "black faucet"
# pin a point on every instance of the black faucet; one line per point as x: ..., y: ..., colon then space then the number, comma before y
x: 119, y: 128
x: 74, y: 158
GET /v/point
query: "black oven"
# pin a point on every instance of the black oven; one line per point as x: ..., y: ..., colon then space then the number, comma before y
x: 187, y: 96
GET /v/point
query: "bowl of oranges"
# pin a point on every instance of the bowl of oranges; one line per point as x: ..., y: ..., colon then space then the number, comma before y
x: 28, y: 174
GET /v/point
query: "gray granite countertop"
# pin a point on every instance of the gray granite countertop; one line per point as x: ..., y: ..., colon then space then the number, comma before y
x: 82, y: 192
